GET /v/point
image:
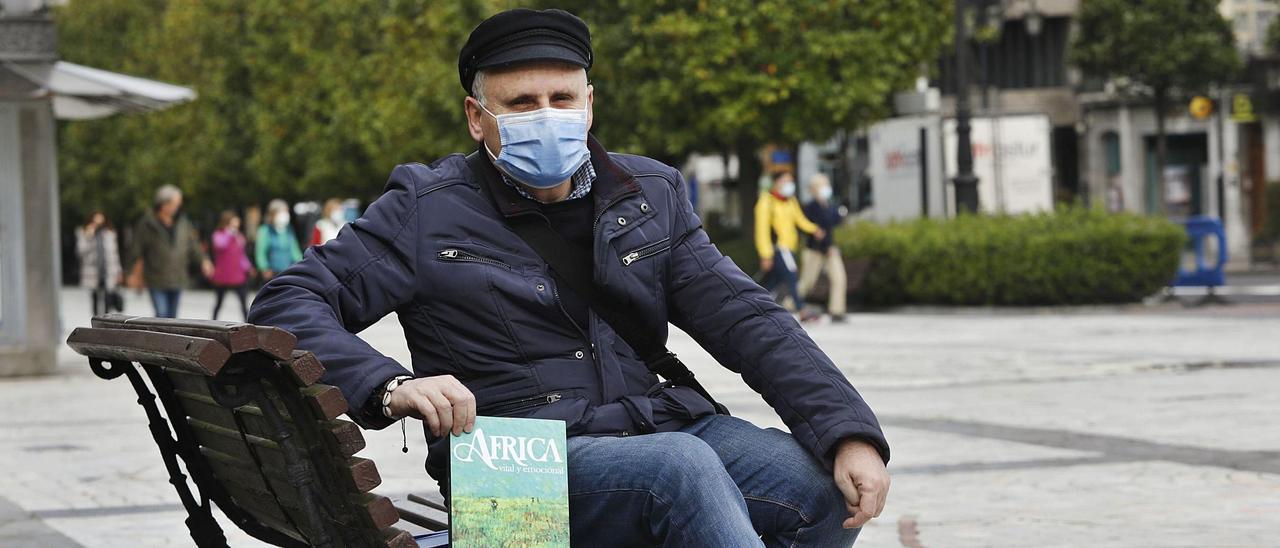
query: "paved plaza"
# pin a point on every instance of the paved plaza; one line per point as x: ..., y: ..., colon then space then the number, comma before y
x: 1116, y: 426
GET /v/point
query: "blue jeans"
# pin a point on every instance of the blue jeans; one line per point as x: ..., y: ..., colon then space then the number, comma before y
x: 165, y: 301
x: 784, y: 272
x: 720, y: 481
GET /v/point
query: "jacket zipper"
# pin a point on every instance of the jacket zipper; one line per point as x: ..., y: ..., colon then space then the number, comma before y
x: 458, y: 255
x: 647, y: 251
x: 521, y: 404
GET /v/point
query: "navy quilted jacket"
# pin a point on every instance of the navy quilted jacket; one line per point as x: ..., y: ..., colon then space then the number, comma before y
x: 477, y: 303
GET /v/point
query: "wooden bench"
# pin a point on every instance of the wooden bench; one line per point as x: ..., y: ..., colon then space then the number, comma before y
x: 258, y: 435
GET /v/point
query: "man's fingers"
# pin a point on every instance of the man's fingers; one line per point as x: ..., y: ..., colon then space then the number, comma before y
x: 464, y: 405
x: 444, y: 412
x: 428, y: 412
x: 858, y: 520
x: 869, y: 502
x: 884, y: 497
x: 458, y: 401
x: 467, y: 401
x: 852, y: 498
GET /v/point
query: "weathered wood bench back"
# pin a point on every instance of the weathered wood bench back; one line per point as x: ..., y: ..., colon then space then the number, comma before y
x: 257, y: 434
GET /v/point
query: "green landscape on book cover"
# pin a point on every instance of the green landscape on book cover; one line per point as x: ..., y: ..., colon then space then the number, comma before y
x: 509, y: 484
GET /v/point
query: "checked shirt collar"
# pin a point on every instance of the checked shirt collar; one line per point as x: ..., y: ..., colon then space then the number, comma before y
x: 581, y: 182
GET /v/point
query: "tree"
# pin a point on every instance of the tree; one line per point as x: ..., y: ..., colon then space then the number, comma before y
x: 674, y: 77
x: 313, y: 98
x: 1156, y: 47
x: 302, y: 99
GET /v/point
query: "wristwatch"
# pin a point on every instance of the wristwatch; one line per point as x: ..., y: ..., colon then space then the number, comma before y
x: 387, y: 389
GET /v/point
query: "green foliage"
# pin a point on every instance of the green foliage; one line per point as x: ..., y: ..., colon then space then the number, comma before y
x: 306, y: 99
x: 1185, y: 45
x: 515, y: 522
x: 1072, y: 256
x: 1271, y: 229
x: 673, y: 76
x: 297, y: 99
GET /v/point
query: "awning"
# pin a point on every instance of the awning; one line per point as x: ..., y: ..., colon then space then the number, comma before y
x: 84, y: 93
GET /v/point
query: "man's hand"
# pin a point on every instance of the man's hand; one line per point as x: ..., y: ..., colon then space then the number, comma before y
x: 861, y: 476
x: 820, y: 234
x: 443, y: 402
x: 134, y: 279
x: 766, y: 264
x: 206, y: 268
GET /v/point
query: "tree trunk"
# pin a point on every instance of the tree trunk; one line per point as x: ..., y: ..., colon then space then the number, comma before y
x: 1162, y: 146
x: 749, y: 170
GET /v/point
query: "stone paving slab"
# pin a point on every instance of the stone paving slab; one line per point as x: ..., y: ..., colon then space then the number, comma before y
x: 1124, y: 504
x: 1235, y: 409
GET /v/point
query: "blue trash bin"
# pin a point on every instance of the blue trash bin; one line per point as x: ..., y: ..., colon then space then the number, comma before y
x: 1198, y: 229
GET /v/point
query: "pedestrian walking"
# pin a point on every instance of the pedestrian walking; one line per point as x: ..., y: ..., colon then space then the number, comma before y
x: 331, y: 221
x: 820, y: 253
x: 231, y: 267
x: 778, y: 222
x: 164, y: 249
x: 537, y: 277
x: 276, y: 246
x: 100, y: 270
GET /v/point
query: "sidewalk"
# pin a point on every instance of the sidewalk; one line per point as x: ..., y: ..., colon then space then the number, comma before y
x: 1122, y: 426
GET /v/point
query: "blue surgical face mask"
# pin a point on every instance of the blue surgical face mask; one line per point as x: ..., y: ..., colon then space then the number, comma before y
x: 541, y: 148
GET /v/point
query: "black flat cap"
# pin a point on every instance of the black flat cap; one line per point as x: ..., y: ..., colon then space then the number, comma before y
x: 523, y: 35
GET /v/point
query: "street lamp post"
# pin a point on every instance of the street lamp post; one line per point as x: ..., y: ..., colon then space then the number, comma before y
x: 966, y: 183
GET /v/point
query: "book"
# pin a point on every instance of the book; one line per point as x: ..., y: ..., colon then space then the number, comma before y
x: 509, y: 484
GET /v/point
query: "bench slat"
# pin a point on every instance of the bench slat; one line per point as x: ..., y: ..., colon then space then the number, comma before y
x: 356, y: 473
x: 235, y: 336
x: 304, y: 368
x: 343, y: 436
x: 245, y: 484
x: 397, y: 538
x: 192, y: 354
x: 327, y: 401
x: 377, y: 510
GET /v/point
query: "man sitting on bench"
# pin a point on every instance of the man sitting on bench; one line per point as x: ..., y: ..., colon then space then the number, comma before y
x: 461, y: 252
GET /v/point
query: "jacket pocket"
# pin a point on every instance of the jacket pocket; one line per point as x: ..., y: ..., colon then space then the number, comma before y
x: 517, y: 405
x: 646, y: 251
x: 682, y: 402
x: 455, y: 255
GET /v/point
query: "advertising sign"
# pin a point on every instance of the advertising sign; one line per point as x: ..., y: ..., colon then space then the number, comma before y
x: 906, y: 180
x: 1011, y: 159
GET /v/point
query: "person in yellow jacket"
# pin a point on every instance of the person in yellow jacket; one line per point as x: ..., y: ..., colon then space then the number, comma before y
x: 778, y: 219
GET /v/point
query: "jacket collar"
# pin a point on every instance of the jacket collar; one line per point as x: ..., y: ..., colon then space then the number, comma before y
x: 611, y: 183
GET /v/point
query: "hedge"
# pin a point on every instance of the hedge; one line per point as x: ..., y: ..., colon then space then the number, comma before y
x: 1071, y: 256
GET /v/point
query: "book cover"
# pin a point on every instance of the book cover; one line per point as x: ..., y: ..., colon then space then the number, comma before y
x: 509, y: 484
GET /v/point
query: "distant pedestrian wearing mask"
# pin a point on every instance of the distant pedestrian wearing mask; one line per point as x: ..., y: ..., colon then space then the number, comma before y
x: 276, y: 246
x: 100, y: 269
x: 820, y: 253
x: 327, y: 227
x: 231, y: 267
x: 778, y: 220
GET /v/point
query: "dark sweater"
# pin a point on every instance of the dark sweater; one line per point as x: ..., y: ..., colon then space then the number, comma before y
x: 827, y: 218
x: 573, y: 220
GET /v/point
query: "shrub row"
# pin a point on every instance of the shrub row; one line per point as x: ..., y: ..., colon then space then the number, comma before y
x: 1071, y: 256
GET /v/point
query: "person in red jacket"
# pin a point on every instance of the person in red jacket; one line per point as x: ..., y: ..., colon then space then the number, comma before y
x: 330, y: 223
